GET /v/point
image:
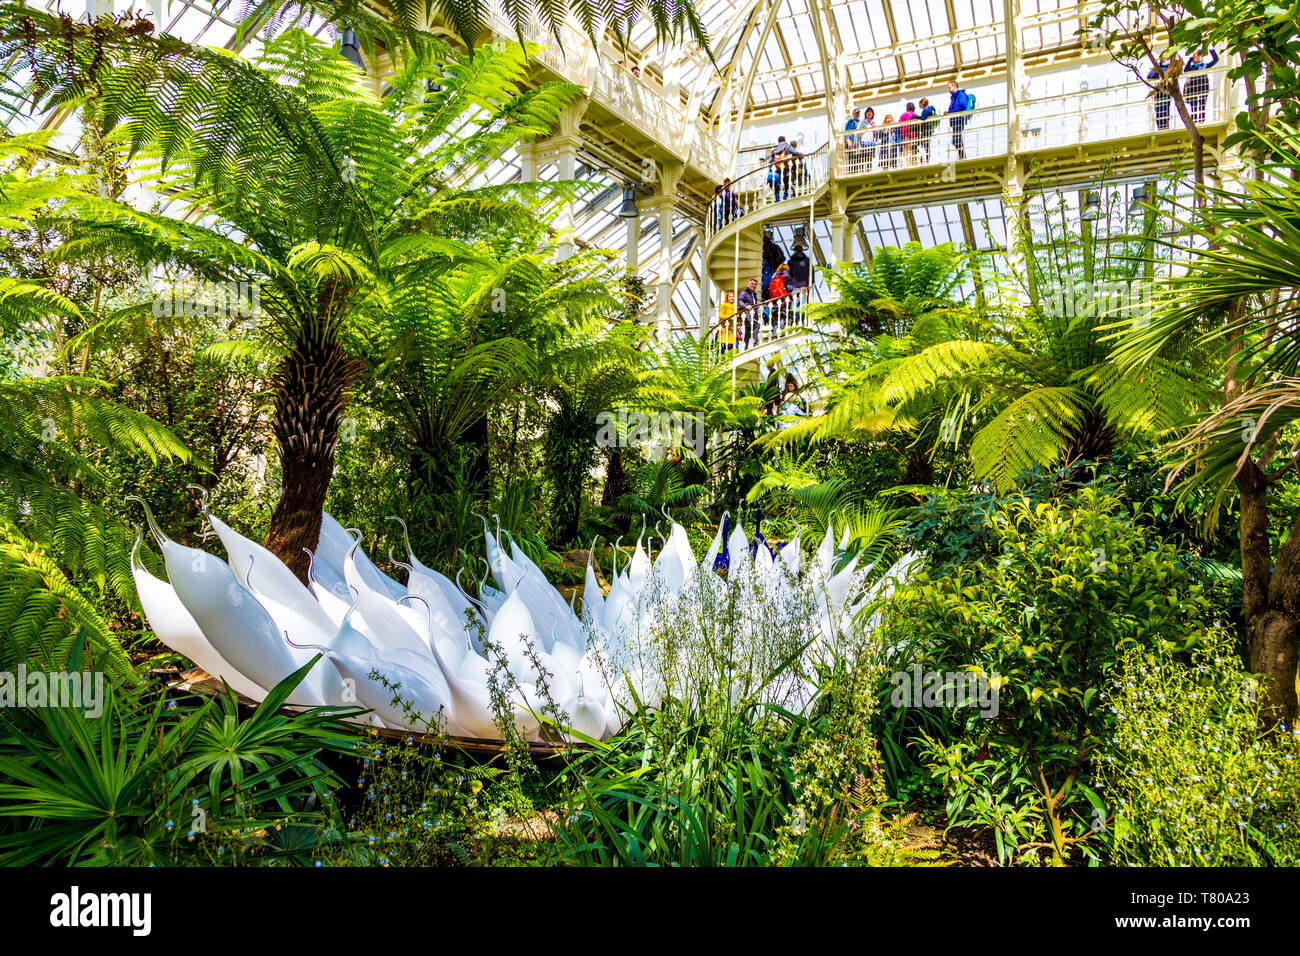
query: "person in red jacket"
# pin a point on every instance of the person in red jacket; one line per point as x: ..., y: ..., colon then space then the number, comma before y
x: 777, y: 290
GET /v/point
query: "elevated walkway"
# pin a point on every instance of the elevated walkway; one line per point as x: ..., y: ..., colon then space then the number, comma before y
x: 629, y: 119
x: 1119, y: 133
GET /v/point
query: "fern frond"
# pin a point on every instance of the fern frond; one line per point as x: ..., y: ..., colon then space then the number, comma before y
x: 44, y: 621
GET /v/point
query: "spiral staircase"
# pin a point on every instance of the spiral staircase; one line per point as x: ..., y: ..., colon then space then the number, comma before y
x: 995, y: 152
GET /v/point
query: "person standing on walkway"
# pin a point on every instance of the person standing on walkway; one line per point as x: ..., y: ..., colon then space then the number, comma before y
x: 926, y: 128
x: 777, y: 289
x: 959, y: 104
x: 1160, y: 77
x: 796, y: 171
x: 747, y: 302
x: 867, y: 139
x: 727, y: 323
x: 1197, y: 87
x: 800, y: 277
x: 730, y: 204
x: 776, y: 168
x: 908, y: 130
x: 887, y: 136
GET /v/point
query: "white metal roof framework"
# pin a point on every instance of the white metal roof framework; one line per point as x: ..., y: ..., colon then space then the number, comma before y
x: 774, y: 62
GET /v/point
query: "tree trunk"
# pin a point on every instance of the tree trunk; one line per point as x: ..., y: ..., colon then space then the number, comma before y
x: 1270, y: 601
x: 616, y: 483
x: 570, y: 452
x: 478, y: 469
x: 1272, y: 642
x: 1094, y: 441
x: 312, y: 388
x: 918, y: 469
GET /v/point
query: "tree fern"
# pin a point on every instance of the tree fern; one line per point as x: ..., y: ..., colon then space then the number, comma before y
x: 46, y: 622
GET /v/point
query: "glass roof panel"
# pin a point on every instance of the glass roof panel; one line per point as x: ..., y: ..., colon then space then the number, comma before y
x: 891, y: 51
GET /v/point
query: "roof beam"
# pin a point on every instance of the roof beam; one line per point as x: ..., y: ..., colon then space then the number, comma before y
x: 834, y: 73
x: 952, y: 27
x: 968, y: 231
x: 913, y: 233
x: 862, y: 241
x: 743, y: 100
x: 742, y: 23
x: 789, y: 63
x: 893, y: 35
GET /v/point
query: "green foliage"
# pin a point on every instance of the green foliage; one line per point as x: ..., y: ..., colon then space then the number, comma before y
x: 906, y: 302
x: 897, y: 291
x: 687, y: 376
x: 153, y: 780
x: 45, y: 622
x: 1190, y: 778
x: 668, y: 792
x: 1259, y: 39
x: 658, y: 489
x: 1233, y: 301
x: 953, y: 530
x: 419, y: 803
x: 63, y: 431
x: 757, y: 754
x: 749, y: 785
x: 406, y: 21
x: 1023, y: 379
x: 1074, y: 585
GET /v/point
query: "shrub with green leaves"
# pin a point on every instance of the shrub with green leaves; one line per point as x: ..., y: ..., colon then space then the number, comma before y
x: 729, y: 769
x: 159, y: 780
x: 1074, y: 585
x: 418, y: 802
x: 767, y: 787
x: 1190, y: 778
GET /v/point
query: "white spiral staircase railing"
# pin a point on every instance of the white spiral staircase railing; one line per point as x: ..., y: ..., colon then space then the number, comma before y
x: 1080, y: 127
x: 771, y: 191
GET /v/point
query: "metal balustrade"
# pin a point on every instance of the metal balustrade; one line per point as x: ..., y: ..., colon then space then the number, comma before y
x: 1116, y: 112
x: 770, y: 321
x: 937, y: 141
x: 1120, y: 111
x: 641, y: 101
x: 790, y: 177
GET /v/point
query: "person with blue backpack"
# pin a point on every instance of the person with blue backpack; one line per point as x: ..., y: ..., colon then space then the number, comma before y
x: 928, y: 125
x: 851, y: 137
x: 959, y: 103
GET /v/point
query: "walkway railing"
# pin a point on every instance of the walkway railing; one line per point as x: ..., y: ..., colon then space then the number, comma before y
x: 769, y: 321
x: 939, y: 140
x: 1120, y: 111
x: 1117, y: 111
x: 642, y: 101
x: 790, y: 176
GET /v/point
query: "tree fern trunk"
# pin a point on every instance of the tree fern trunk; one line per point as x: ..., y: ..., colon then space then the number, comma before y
x: 918, y: 469
x: 1095, y: 441
x: 478, y: 468
x: 616, y: 482
x: 312, y: 389
x: 1270, y: 600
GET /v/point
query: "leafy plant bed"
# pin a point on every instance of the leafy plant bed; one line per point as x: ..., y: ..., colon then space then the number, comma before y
x: 198, y: 681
